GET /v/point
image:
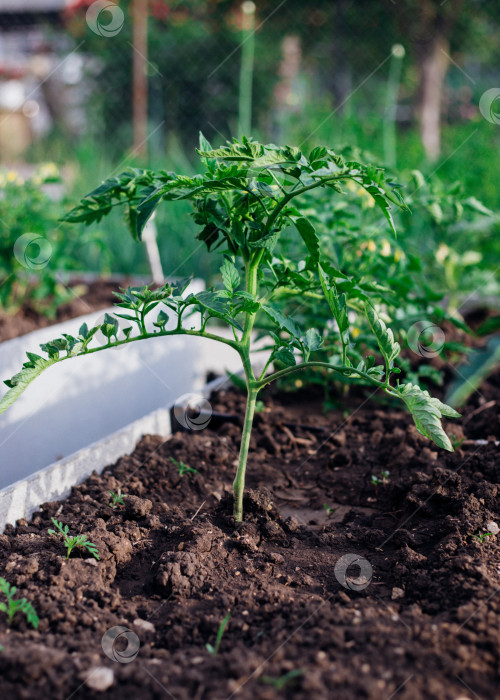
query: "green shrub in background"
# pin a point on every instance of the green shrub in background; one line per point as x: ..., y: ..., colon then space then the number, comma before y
x: 35, y: 248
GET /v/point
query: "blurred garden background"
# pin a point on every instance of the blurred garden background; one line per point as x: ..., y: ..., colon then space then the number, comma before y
x: 88, y: 89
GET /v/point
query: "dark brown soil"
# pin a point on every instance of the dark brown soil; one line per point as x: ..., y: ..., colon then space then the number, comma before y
x: 425, y: 626
x: 89, y: 296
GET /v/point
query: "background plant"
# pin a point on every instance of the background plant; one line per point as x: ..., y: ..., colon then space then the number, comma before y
x: 243, y: 202
x: 13, y: 605
x: 32, y: 273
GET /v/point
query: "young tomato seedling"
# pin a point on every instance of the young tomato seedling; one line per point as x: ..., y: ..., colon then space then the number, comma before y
x: 381, y: 480
x: 482, y: 536
x: 117, y: 499
x: 282, y: 681
x: 248, y: 196
x: 71, y: 542
x: 13, y: 606
x: 183, y: 468
x: 214, y: 650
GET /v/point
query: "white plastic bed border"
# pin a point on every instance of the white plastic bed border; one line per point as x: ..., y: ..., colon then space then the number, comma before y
x: 54, y: 482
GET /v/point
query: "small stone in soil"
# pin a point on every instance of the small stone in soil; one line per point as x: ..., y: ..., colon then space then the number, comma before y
x: 100, y: 678
x: 144, y: 625
x: 492, y: 527
x: 397, y: 593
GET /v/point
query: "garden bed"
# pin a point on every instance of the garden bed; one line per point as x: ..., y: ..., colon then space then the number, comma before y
x: 89, y: 296
x: 173, y: 564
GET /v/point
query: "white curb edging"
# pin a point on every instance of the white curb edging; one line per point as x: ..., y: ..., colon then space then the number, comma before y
x: 54, y: 482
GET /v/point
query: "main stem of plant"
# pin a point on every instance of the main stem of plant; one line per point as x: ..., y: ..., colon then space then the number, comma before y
x: 239, y: 481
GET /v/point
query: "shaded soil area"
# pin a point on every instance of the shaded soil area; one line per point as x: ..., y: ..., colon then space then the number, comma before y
x: 89, y: 296
x: 416, y: 616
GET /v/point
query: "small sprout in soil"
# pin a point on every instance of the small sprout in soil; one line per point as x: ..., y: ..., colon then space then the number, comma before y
x: 381, y: 480
x: 482, y: 536
x: 12, y: 606
x: 183, y: 468
x: 220, y: 632
x: 456, y: 442
x: 282, y: 681
x: 116, y: 499
x: 329, y: 509
x: 71, y: 542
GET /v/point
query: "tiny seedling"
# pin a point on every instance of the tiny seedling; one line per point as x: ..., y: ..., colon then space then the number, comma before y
x: 482, y: 536
x: 71, y: 542
x: 381, y: 480
x: 214, y: 650
x: 183, y: 468
x: 456, y: 442
x: 12, y: 606
x: 329, y: 509
x: 282, y: 681
x: 117, y: 499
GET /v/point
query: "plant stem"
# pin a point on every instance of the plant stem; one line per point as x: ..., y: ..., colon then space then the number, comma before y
x: 239, y: 481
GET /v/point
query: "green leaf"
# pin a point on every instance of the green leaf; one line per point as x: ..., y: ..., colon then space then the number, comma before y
x: 427, y: 413
x: 476, y: 205
x: 144, y: 212
x: 337, y: 304
x: 309, y: 235
x: 312, y: 339
x: 20, y: 381
x: 389, y: 348
x: 230, y: 275
x: 217, y: 305
x: 380, y: 198
x: 285, y: 356
x: 284, y: 322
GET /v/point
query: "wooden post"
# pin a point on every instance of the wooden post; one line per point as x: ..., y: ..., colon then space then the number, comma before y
x: 140, y: 78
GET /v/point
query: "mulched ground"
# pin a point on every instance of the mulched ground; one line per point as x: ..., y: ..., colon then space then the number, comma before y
x: 424, y: 624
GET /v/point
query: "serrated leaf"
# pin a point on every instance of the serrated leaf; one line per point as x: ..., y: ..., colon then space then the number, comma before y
x: 217, y: 306
x: 285, y: 356
x: 20, y: 381
x: 338, y: 305
x: 427, y: 413
x: 230, y: 275
x: 389, y: 348
x: 284, y: 322
x: 309, y: 236
x: 312, y: 339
